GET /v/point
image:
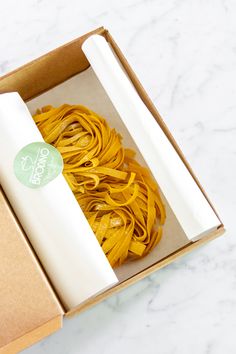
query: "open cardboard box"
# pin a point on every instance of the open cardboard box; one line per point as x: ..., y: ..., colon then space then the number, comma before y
x: 65, y: 76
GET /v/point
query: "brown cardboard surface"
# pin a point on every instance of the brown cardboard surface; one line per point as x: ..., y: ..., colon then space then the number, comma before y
x: 27, y: 301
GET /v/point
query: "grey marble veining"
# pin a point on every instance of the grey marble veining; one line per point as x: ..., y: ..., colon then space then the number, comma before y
x: 184, y: 52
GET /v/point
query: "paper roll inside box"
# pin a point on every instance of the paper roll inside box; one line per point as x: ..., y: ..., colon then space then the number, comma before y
x: 187, y: 201
x: 51, y: 216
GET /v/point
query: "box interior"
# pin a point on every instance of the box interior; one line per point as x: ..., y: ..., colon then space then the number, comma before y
x: 84, y: 88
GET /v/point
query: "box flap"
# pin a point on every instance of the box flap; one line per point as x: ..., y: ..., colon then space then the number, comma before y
x: 28, y: 306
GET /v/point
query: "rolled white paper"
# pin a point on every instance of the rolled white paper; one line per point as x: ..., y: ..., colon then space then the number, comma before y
x: 50, y: 215
x: 190, y: 206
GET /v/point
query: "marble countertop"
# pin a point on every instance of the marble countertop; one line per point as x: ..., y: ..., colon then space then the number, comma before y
x: 184, y: 52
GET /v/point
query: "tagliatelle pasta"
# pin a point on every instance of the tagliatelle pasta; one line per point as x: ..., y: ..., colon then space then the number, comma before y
x: 118, y: 196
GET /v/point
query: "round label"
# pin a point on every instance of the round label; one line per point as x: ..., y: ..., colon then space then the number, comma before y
x: 37, y: 164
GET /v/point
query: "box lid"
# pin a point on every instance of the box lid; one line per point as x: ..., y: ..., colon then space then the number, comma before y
x: 28, y: 306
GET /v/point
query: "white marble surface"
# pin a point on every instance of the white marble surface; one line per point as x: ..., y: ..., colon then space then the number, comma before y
x: 184, y: 52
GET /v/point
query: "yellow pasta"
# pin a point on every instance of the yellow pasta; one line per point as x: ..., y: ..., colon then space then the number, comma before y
x: 118, y: 196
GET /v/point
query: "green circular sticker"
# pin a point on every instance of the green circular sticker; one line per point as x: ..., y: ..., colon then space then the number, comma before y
x: 37, y: 164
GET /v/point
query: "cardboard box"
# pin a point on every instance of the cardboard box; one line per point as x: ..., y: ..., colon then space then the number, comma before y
x: 60, y: 76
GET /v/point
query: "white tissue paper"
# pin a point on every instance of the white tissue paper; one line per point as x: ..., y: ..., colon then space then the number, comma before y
x: 187, y: 201
x: 50, y: 215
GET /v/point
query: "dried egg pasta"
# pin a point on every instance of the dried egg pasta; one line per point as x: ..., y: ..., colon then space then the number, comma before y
x: 118, y: 196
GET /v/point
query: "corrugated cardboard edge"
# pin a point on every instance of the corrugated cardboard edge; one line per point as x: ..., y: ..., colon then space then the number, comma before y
x: 32, y: 337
